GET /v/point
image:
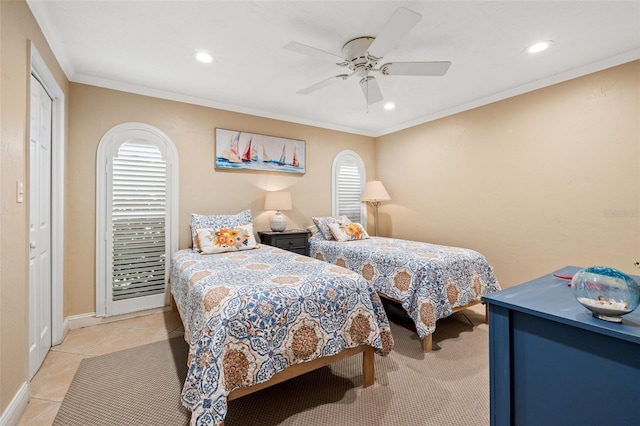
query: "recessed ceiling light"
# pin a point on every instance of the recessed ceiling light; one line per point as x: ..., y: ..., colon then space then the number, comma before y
x: 389, y: 106
x: 204, y: 57
x: 539, y: 46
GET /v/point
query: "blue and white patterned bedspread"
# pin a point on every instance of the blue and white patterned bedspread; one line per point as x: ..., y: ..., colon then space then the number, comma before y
x: 430, y: 280
x: 248, y: 315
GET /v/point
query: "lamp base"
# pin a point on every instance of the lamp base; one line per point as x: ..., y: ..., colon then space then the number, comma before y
x: 278, y: 222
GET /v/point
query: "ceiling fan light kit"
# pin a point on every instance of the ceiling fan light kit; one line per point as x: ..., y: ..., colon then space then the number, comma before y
x: 356, y: 53
x: 362, y: 55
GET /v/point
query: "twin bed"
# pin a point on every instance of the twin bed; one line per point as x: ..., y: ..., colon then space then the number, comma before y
x: 255, y: 315
x: 430, y: 281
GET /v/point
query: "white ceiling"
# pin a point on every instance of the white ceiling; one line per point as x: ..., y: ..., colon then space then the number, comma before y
x: 147, y: 47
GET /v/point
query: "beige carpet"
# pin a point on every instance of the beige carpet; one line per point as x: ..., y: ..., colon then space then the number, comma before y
x: 449, y: 386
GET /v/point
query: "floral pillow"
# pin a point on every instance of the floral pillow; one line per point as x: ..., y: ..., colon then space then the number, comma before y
x: 348, y: 232
x: 323, y: 224
x: 211, y: 241
x: 217, y: 221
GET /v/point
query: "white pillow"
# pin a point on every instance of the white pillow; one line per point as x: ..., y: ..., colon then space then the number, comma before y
x: 220, y: 240
x: 348, y: 231
x: 217, y: 221
x: 322, y: 223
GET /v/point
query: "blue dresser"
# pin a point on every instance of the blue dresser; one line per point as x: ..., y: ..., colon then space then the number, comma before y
x: 552, y: 363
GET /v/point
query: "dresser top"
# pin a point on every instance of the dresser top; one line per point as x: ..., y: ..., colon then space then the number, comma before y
x: 551, y: 298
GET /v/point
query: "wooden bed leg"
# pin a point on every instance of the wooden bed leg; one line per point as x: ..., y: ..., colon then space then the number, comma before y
x: 368, y: 367
x: 174, y: 307
x: 427, y: 343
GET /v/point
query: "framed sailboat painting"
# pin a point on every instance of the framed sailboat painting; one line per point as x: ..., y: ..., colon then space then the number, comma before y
x: 249, y: 151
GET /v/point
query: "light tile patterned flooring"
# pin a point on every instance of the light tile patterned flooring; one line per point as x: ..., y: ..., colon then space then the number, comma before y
x: 49, y: 385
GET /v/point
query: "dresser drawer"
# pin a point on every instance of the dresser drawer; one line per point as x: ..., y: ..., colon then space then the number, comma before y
x: 290, y: 243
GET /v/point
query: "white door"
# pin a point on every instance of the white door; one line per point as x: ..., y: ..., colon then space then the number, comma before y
x: 39, y: 226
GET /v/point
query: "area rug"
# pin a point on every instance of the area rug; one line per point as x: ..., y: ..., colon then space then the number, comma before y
x: 448, y: 386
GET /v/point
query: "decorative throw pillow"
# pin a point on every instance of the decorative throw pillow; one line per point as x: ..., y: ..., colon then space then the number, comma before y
x: 348, y: 232
x: 211, y: 241
x: 217, y: 221
x: 323, y: 224
x: 313, y: 229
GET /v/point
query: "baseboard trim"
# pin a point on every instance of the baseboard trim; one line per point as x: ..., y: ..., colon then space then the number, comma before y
x: 90, y: 319
x: 65, y: 331
x: 17, y: 406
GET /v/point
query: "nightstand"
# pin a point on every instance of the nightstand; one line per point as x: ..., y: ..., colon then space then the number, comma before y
x: 296, y: 241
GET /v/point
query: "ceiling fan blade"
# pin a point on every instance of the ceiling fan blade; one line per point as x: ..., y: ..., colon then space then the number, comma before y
x: 400, y: 23
x: 371, y: 90
x: 324, y: 83
x: 294, y: 46
x: 433, y: 68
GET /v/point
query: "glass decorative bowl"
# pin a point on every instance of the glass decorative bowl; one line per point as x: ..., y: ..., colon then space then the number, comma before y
x: 607, y: 292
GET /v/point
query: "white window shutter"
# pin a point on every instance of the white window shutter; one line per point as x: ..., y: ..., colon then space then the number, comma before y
x: 138, y: 221
x: 348, y: 181
x: 349, y: 190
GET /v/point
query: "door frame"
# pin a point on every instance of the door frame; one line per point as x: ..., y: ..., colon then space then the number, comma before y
x: 39, y: 69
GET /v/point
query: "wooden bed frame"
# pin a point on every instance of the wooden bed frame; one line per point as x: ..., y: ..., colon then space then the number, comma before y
x: 427, y: 342
x: 368, y: 368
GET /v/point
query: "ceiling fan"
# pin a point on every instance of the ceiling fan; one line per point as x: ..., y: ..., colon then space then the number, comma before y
x: 361, y: 56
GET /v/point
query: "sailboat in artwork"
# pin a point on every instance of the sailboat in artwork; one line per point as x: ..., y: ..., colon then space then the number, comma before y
x: 250, y: 154
x: 231, y: 153
x: 265, y: 157
x: 283, y: 157
x: 295, y: 161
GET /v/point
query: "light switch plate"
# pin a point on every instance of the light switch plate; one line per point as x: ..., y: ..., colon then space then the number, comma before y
x: 19, y: 192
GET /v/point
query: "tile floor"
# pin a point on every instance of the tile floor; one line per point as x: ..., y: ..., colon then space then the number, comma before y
x: 49, y: 385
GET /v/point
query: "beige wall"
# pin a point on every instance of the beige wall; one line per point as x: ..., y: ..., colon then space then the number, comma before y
x: 17, y: 27
x: 203, y: 190
x: 535, y: 182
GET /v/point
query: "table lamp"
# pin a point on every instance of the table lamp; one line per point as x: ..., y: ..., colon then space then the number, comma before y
x: 280, y: 200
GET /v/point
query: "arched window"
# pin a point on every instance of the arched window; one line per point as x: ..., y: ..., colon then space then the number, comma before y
x: 348, y: 177
x: 136, y: 218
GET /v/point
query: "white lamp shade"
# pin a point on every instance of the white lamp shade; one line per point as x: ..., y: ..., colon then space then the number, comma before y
x: 374, y: 191
x: 280, y: 200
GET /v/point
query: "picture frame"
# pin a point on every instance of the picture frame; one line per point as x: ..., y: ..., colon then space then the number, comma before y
x: 237, y: 150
